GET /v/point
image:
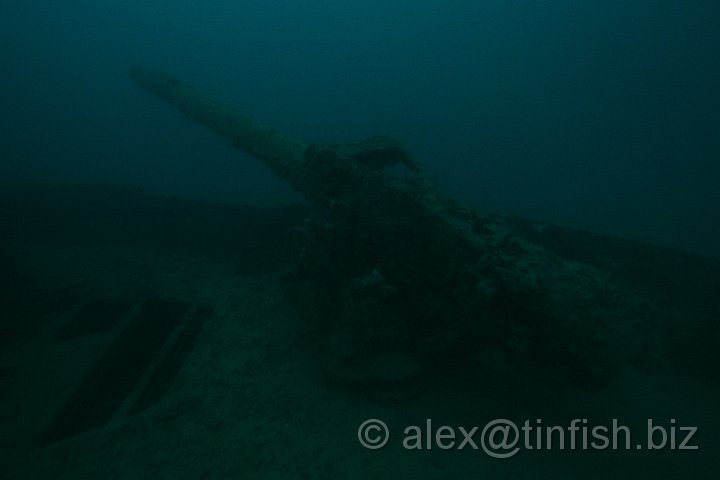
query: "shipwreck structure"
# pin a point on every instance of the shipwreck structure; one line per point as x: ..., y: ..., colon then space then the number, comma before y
x: 395, y: 277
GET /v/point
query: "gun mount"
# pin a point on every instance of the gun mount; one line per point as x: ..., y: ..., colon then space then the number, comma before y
x: 395, y: 276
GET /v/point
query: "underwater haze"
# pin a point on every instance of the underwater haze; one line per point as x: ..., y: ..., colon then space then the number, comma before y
x: 603, y: 115
x: 217, y: 261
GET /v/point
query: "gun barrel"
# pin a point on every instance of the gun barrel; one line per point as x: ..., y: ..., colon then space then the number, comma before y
x: 283, y: 154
